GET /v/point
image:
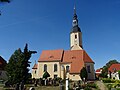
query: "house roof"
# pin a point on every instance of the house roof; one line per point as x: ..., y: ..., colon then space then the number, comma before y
x: 98, y: 70
x: 86, y: 58
x: 2, y: 63
x: 35, y: 66
x: 51, y: 55
x: 77, y: 58
x: 114, y: 67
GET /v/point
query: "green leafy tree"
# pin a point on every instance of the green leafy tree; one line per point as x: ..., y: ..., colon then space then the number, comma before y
x: 83, y: 73
x: 119, y: 74
x: 46, y: 75
x: 17, y: 67
x: 105, y: 68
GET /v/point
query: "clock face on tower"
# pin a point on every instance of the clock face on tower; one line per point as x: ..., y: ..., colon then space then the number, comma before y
x: 74, y: 22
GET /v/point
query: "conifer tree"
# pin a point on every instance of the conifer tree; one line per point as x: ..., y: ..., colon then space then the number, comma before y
x: 83, y: 73
x: 13, y: 67
x: 26, y: 63
x: 17, y: 67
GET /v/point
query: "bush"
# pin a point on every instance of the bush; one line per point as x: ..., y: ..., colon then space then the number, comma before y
x: 114, y: 85
x: 92, y: 85
x: 108, y: 80
x: 87, y: 88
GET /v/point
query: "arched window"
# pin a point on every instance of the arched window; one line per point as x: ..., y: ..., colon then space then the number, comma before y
x: 55, y: 67
x: 67, y: 68
x: 75, y: 36
x: 45, y: 67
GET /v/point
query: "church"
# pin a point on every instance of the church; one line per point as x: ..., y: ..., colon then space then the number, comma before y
x: 66, y: 63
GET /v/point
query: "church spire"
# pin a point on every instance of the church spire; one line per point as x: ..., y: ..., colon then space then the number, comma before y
x: 75, y: 15
x: 76, y: 34
x: 74, y: 10
x: 75, y: 27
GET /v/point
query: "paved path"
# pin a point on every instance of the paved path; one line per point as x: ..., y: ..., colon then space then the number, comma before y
x: 101, y: 85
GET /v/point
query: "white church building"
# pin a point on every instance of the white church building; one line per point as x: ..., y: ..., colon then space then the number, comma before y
x: 66, y: 63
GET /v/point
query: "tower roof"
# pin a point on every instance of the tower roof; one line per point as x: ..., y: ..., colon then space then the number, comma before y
x: 75, y: 27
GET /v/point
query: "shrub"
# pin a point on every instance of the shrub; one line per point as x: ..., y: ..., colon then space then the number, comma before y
x: 114, y: 85
x: 87, y: 88
x: 92, y: 85
x: 108, y: 80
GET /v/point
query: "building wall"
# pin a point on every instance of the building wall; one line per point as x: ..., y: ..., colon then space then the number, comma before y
x: 76, y: 42
x: 75, y: 77
x: 76, y: 47
x: 50, y: 69
x: 34, y: 73
x: 91, y: 74
x: 64, y: 74
x: 114, y: 75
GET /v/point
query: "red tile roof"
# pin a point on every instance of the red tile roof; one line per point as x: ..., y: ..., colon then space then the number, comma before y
x: 51, y: 55
x: 86, y: 58
x: 77, y: 58
x: 3, y: 63
x: 98, y: 70
x: 114, y: 67
x: 35, y: 66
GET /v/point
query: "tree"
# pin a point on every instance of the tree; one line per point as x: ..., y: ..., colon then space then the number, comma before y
x: 17, y: 67
x: 46, y: 75
x: 8, y: 1
x: 13, y: 67
x: 105, y: 68
x: 119, y: 74
x: 83, y: 73
x: 2, y: 1
x: 25, y: 62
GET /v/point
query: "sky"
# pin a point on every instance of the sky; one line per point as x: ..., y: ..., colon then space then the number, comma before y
x: 46, y: 25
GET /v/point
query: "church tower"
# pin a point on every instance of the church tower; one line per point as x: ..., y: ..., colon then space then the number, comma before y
x: 75, y: 34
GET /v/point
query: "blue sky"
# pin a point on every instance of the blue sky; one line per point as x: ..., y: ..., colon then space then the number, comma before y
x: 46, y: 25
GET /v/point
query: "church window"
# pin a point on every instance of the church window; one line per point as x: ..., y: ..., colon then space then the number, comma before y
x: 67, y: 68
x: 88, y: 69
x: 45, y: 67
x: 75, y: 36
x: 35, y: 71
x: 55, y: 67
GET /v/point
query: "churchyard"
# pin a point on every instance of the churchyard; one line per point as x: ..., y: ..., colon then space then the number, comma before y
x: 55, y: 85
